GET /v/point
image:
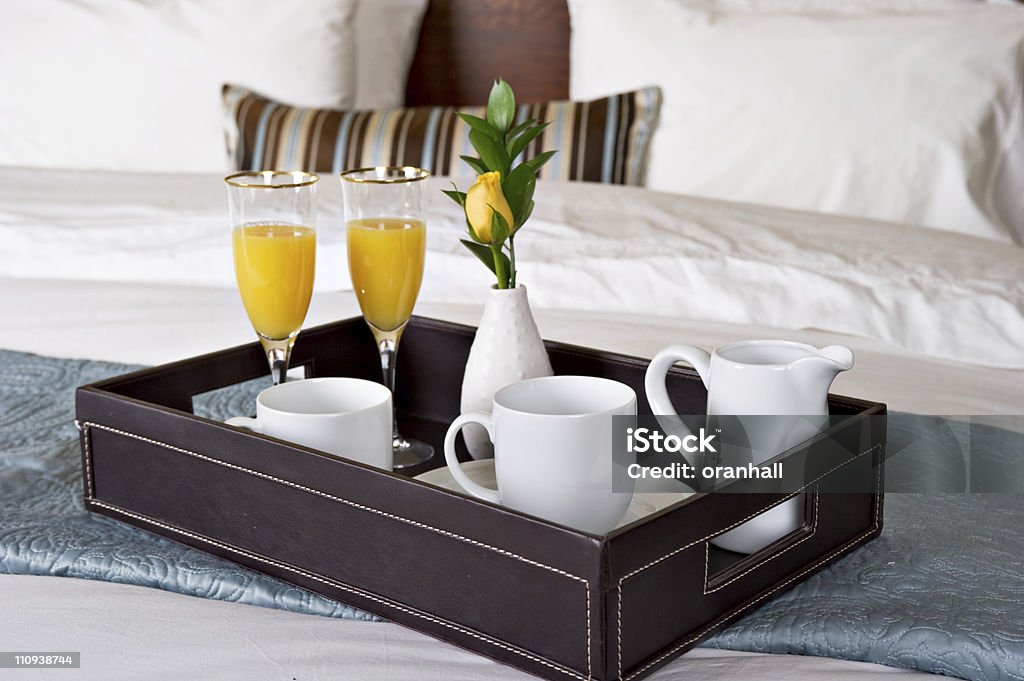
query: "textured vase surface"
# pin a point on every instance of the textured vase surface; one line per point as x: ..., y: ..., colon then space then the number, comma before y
x: 507, y: 349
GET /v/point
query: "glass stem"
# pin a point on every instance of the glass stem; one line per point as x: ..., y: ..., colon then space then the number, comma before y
x: 279, y: 353
x: 387, y: 345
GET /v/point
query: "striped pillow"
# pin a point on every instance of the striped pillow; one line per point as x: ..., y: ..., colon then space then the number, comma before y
x: 604, y: 140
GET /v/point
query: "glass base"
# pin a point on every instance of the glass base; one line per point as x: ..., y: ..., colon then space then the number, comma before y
x: 409, y: 453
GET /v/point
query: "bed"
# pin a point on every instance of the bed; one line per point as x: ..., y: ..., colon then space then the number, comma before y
x: 132, y: 268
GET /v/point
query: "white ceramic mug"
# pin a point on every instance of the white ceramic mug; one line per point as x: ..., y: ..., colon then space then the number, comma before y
x: 348, y: 417
x: 553, y: 450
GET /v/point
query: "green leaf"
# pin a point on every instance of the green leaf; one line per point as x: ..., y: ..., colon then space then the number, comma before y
x: 475, y: 163
x: 500, y: 229
x: 517, y: 146
x: 526, y: 213
x: 501, y: 106
x: 481, y: 251
x: 492, y: 152
x: 518, y: 190
x: 480, y: 125
x: 522, y: 126
x: 456, y: 196
x: 539, y: 160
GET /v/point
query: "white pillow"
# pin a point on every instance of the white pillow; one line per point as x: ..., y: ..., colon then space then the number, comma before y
x: 911, y: 117
x: 386, y: 35
x: 829, y: 6
x: 135, y: 84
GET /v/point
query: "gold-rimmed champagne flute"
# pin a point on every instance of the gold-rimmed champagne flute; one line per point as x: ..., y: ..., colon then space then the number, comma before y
x: 273, y: 236
x: 387, y: 238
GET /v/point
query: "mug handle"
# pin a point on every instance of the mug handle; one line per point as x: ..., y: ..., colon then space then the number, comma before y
x: 483, y: 419
x: 245, y: 422
x: 657, y: 370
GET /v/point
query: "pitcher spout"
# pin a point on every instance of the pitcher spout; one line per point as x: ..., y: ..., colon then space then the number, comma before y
x: 816, y: 372
x: 840, y: 357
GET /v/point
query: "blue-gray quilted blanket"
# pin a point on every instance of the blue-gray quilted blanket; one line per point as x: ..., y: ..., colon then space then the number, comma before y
x: 942, y: 590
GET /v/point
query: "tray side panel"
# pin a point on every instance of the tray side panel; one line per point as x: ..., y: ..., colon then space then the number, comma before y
x: 372, y: 539
x: 419, y: 620
x: 666, y: 596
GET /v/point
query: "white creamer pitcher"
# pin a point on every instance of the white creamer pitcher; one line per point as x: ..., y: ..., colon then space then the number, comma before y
x: 759, y: 378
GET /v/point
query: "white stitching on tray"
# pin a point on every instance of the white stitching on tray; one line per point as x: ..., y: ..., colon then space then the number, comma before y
x: 339, y: 585
x: 878, y: 477
x: 769, y: 557
x: 91, y: 492
x: 586, y: 584
x: 589, y: 653
x: 878, y: 498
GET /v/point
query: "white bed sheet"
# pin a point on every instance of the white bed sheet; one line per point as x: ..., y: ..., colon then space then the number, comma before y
x: 130, y: 632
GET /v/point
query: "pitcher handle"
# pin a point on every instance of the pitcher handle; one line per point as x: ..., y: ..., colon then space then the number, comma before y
x: 454, y: 468
x: 654, y: 381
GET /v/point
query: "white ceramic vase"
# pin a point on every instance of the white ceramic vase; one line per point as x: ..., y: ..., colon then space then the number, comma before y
x: 507, y: 349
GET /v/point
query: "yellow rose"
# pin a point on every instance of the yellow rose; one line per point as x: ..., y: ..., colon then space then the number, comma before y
x: 481, y: 198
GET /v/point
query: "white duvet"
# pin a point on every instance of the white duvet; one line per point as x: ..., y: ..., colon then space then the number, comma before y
x: 588, y: 247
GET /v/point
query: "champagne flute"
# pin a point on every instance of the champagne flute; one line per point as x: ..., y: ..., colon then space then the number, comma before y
x: 386, y: 237
x: 273, y: 222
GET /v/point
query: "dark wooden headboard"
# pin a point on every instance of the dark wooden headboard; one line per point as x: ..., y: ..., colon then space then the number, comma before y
x: 465, y: 44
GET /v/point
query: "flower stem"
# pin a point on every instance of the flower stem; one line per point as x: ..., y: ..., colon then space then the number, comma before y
x: 499, y: 267
x: 512, y: 261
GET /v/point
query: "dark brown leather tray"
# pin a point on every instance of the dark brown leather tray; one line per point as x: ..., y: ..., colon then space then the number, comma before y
x: 553, y: 601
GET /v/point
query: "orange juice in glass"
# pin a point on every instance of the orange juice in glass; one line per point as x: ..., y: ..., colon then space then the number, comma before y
x: 273, y: 238
x: 274, y: 266
x: 385, y: 258
x: 387, y: 242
